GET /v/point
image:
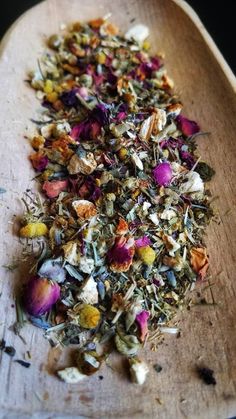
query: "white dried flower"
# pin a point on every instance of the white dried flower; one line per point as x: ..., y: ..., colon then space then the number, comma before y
x: 167, y: 214
x: 89, y: 292
x: 154, y: 218
x: 136, y: 160
x: 172, y: 245
x: 146, y: 206
x: 159, y: 121
x: 137, y: 33
x: 46, y: 130
x: 71, y: 253
x: 85, y: 165
x: 138, y: 371
x: 85, y: 209
x: 146, y: 128
x: 62, y: 128
x: 71, y: 375
x: 86, y: 265
x: 194, y: 183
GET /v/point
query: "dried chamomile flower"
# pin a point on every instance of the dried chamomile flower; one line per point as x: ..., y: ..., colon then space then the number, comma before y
x: 32, y: 230
x: 89, y: 316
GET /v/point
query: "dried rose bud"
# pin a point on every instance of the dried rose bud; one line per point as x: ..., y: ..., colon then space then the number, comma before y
x: 142, y: 320
x: 120, y: 256
x: 40, y: 295
x: 54, y: 187
x: 187, y: 126
x: 162, y: 174
x: 39, y: 161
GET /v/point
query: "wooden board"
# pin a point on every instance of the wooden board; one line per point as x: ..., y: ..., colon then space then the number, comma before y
x: 208, y: 334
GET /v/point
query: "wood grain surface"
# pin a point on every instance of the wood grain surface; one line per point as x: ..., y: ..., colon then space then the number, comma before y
x: 208, y: 333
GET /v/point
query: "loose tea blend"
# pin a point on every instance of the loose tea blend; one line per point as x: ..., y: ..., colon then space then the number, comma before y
x: 118, y: 241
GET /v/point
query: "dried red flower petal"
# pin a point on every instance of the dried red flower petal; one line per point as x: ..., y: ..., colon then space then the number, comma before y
x: 40, y: 295
x: 120, y: 256
x: 187, y: 126
x: 142, y: 242
x: 39, y: 161
x: 142, y: 320
x: 54, y: 187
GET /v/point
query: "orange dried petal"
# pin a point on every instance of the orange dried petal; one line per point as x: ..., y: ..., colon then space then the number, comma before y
x: 84, y: 209
x: 96, y: 23
x: 122, y: 227
x: 199, y: 261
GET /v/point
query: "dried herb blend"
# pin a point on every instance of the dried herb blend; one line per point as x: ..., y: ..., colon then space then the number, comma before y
x: 118, y: 240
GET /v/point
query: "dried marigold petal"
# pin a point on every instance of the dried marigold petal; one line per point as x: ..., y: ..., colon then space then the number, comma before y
x: 38, y: 142
x: 122, y: 227
x: 84, y: 209
x: 199, y: 261
x: 96, y: 23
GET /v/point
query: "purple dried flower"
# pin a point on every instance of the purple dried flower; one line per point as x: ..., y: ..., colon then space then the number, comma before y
x: 39, y: 161
x: 101, y: 114
x: 187, y: 126
x: 69, y: 98
x: 172, y: 143
x: 142, y: 320
x: 188, y: 158
x: 142, y: 242
x: 40, y: 295
x: 162, y: 174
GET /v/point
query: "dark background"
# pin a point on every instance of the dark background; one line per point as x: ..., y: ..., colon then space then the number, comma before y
x: 218, y: 16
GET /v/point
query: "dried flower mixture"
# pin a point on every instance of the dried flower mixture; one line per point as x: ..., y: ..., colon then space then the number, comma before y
x: 118, y: 240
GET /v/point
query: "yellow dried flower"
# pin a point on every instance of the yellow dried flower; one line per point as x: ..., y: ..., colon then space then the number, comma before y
x: 34, y: 230
x: 48, y: 86
x: 52, y: 97
x: 122, y: 153
x: 38, y: 142
x: 89, y: 316
x: 146, y: 254
x: 47, y: 174
x: 58, y: 88
x: 146, y: 45
x: 101, y: 58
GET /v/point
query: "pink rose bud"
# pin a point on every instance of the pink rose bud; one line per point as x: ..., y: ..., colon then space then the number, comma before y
x: 142, y: 320
x: 187, y: 126
x: 40, y: 295
x: 162, y: 174
x: 54, y: 187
